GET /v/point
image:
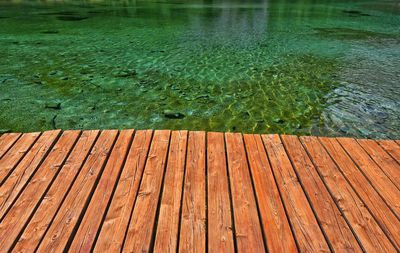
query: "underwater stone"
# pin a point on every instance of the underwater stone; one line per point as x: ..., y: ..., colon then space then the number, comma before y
x: 50, y: 32
x: 125, y: 73
x: 173, y: 115
x: 355, y: 13
x: 203, y: 96
x: 71, y: 18
x: 278, y: 120
x: 53, y: 105
x: 53, y: 72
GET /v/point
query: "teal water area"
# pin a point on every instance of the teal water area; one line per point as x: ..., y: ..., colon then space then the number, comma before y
x: 295, y: 67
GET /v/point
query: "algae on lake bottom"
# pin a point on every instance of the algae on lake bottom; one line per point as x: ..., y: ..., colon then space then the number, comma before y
x: 326, y: 68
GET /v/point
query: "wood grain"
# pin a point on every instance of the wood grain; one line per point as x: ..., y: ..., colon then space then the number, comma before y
x: 220, y: 237
x: 141, y: 226
x: 378, y: 179
x: 86, y: 234
x: 357, y: 214
x: 193, y: 221
x: 392, y: 147
x: 377, y: 206
x: 7, y: 141
x: 116, y: 223
x: 15, y: 154
x: 276, y: 226
x: 145, y: 191
x: 336, y: 229
x: 67, y: 218
x: 169, y: 217
x: 389, y: 166
x: 53, y: 199
x: 25, y: 169
x: 305, y: 226
x: 18, y: 215
x: 248, y: 232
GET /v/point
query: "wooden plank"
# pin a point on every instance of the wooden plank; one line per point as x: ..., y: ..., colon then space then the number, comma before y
x: 220, y: 232
x: 15, y: 154
x: 381, y: 212
x: 389, y: 166
x: 336, y: 229
x: 25, y: 169
x: 169, y: 217
x: 58, y: 234
x: 362, y: 222
x: 19, y: 214
x: 53, y: 199
x: 192, y: 236
x: 7, y: 141
x: 391, y: 147
x: 379, y: 180
x: 279, y: 237
x: 247, y: 224
x: 304, y: 224
x: 86, y: 234
x: 141, y: 226
x: 115, y: 224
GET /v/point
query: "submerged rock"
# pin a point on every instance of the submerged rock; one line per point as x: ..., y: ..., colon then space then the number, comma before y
x: 173, y: 115
x: 71, y: 18
x: 50, y: 32
x: 53, y: 105
x: 54, y: 72
x: 125, y: 73
x: 278, y: 120
x: 355, y: 13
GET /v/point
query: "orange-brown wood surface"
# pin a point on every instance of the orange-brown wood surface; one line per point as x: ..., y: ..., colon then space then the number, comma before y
x: 193, y: 219
x: 63, y: 225
x: 85, y: 236
x: 336, y: 229
x: 378, y: 179
x: 163, y: 191
x: 40, y: 221
x: 21, y: 174
x: 247, y: 223
x: 6, y: 142
x: 141, y: 226
x: 392, y: 148
x: 377, y: 206
x: 276, y: 226
x: 18, y: 215
x: 12, y: 158
x: 169, y: 217
x: 389, y: 166
x: 220, y: 238
x: 308, y: 233
x: 365, y: 227
x: 116, y: 223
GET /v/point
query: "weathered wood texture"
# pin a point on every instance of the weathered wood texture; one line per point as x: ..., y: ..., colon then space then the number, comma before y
x: 163, y: 191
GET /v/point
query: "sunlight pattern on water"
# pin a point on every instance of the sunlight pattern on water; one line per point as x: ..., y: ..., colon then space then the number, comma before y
x: 298, y: 67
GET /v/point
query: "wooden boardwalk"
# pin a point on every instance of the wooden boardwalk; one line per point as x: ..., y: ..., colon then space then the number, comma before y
x: 180, y: 191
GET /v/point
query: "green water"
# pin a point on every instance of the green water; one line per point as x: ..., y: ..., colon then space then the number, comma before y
x: 297, y: 67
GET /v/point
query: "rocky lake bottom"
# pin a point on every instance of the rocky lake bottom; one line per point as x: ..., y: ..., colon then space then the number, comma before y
x: 327, y: 68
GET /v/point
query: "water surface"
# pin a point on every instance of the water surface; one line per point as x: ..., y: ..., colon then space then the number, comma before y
x: 296, y: 67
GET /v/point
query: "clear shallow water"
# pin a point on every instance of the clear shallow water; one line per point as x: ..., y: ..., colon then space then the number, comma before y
x: 299, y: 67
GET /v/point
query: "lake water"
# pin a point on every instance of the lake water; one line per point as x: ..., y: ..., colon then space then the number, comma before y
x: 296, y: 67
